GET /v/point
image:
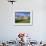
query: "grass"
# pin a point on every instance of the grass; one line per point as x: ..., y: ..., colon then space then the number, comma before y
x: 23, y: 21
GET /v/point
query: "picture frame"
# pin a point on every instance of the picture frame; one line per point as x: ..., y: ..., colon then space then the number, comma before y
x: 23, y: 18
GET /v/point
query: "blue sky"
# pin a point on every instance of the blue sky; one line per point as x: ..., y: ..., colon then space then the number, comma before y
x: 22, y: 13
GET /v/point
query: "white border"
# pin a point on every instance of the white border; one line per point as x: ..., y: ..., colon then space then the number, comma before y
x: 31, y: 19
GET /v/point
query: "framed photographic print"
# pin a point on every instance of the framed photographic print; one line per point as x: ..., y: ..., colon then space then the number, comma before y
x: 23, y: 18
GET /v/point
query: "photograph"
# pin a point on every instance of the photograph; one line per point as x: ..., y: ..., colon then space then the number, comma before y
x: 23, y: 17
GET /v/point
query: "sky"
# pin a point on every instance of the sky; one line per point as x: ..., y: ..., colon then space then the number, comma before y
x: 22, y: 13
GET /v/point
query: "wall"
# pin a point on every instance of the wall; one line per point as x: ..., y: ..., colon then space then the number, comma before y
x: 7, y: 12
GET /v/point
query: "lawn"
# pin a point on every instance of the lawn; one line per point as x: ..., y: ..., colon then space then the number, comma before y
x: 23, y: 21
